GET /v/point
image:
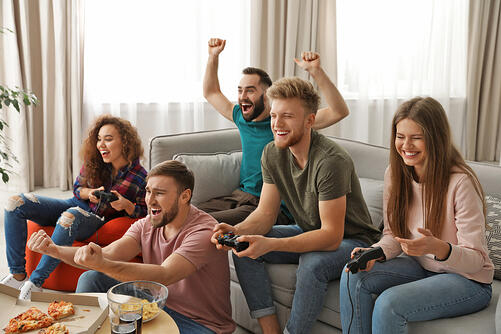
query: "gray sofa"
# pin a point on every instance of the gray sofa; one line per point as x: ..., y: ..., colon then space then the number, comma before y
x: 214, y: 157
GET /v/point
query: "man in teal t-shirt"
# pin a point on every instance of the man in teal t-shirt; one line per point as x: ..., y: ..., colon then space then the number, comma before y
x: 252, y: 117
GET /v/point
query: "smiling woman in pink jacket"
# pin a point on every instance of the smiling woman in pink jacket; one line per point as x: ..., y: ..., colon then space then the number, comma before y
x: 434, y: 218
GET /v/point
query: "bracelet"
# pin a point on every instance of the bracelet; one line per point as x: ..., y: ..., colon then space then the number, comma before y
x: 448, y: 254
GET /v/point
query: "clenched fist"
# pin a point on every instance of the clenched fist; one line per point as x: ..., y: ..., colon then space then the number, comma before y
x: 40, y: 242
x: 216, y: 46
x: 309, y: 60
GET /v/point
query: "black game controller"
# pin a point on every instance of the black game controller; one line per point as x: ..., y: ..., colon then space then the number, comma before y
x: 105, y: 196
x: 361, y: 258
x: 230, y: 239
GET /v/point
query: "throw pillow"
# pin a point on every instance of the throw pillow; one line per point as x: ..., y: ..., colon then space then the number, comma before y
x: 216, y: 174
x: 372, y: 190
x: 493, y: 233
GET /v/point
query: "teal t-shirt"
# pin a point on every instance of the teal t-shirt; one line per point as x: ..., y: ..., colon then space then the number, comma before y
x: 254, y: 137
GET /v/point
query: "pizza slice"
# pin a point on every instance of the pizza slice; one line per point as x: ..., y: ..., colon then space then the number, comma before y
x: 57, y: 328
x: 61, y: 309
x: 33, y: 318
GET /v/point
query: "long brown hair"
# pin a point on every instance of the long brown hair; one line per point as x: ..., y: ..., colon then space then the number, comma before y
x: 441, y: 157
x: 97, y: 172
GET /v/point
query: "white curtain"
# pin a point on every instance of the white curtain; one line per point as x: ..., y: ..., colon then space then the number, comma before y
x: 390, y: 51
x: 44, y: 56
x: 145, y: 61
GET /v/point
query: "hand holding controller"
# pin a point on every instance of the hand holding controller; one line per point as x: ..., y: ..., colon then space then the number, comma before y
x: 361, y: 258
x: 105, y: 196
x: 230, y: 239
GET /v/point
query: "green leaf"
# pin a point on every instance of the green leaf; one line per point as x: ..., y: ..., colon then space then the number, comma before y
x: 7, y: 102
x: 5, y: 177
x: 16, y: 105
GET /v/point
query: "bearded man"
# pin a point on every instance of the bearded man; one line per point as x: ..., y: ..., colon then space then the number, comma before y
x: 251, y: 115
x: 316, y: 179
x: 174, y: 240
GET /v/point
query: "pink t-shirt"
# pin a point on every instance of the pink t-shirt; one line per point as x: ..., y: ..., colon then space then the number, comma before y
x: 464, y: 229
x: 204, y: 296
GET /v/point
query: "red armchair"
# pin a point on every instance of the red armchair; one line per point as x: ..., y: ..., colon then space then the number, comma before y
x: 65, y: 277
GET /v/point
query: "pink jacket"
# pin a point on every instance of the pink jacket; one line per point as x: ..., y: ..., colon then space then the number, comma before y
x: 464, y: 230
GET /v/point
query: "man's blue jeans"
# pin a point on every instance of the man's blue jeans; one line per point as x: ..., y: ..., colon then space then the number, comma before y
x: 313, y: 274
x: 405, y: 292
x: 94, y: 281
x: 45, y: 211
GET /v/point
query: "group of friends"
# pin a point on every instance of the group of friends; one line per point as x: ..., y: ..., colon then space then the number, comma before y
x: 299, y: 202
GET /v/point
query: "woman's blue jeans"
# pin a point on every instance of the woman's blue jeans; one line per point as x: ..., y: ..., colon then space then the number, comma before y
x: 72, y: 220
x: 94, y: 281
x: 405, y: 292
x: 314, y: 272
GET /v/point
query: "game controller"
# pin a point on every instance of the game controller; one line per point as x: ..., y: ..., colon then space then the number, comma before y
x: 361, y: 258
x: 105, y: 196
x: 230, y: 239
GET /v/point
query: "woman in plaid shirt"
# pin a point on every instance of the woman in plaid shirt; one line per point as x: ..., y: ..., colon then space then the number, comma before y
x: 111, y: 155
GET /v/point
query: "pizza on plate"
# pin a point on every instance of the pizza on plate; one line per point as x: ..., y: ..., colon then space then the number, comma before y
x: 61, y: 309
x: 57, y: 328
x: 31, y: 319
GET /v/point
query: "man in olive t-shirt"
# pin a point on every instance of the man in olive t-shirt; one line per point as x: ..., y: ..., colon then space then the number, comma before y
x: 328, y: 174
x: 317, y: 181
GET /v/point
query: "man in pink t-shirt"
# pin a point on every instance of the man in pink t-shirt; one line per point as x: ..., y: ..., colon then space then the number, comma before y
x: 174, y: 240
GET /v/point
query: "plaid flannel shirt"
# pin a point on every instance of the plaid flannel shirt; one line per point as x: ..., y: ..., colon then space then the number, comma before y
x: 130, y: 182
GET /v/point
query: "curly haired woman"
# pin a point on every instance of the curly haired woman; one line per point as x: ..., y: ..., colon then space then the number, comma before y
x: 111, y: 155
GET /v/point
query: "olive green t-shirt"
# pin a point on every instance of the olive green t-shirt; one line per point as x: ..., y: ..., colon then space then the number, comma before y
x: 328, y: 174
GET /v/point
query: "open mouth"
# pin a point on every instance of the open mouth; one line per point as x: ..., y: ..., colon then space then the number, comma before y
x: 155, y: 212
x: 105, y: 154
x: 246, y: 107
x: 281, y: 133
x: 410, y: 154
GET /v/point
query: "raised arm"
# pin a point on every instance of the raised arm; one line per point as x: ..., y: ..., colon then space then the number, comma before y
x: 212, y: 91
x: 337, y: 108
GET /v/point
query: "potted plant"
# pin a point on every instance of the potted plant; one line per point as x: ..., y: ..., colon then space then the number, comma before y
x: 10, y: 97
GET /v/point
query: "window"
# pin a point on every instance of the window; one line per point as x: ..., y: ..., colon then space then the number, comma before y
x: 155, y: 51
x: 402, y: 48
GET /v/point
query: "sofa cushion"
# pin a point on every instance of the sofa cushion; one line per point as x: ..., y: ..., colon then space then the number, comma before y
x: 372, y: 190
x: 221, y: 173
x: 493, y: 234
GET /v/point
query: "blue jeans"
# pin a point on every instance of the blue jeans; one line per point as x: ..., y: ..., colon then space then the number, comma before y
x: 405, y: 292
x: 94, y: 281
x: 45, y: 211
x: 313, y: 274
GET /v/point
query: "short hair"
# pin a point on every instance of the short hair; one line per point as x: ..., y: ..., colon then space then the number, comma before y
x: 177, y: 170
x: 287, y: 88
x: 264, y: 78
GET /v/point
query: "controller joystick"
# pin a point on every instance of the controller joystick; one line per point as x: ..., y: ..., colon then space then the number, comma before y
x: 105, y: 196
x: 361, y: 258
x: 230, y: 239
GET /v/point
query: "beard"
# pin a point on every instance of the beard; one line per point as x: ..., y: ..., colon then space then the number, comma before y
x: 291, y: 141
x: 258, y: 109
x: 167, y: 216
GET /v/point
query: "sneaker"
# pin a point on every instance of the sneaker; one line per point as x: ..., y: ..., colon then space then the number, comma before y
x: 26, y: 290
x: 12, y: 282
